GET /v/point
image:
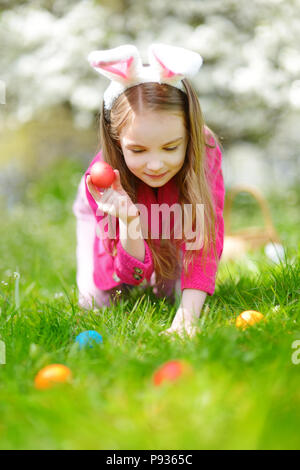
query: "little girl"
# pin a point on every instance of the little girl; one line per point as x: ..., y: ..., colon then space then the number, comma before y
x: 168, y: 173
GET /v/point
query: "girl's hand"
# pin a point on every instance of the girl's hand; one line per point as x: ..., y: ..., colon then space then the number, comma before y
x: 183, y: 324
x: 114, y: 200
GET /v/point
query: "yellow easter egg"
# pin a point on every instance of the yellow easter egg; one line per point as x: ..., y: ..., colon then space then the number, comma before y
x: 248, y: 318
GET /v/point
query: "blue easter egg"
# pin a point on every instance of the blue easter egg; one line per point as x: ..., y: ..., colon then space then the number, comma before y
x: 88, y: 339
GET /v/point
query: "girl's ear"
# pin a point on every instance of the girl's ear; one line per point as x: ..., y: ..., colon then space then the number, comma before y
x: 173, y: 63
x: 120, y: 64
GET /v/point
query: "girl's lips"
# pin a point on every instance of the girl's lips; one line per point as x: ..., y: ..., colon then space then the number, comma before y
x: 156, y: 176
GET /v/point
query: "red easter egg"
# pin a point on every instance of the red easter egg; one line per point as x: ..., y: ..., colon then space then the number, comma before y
x: 102, y: 175
x: 171, y: 371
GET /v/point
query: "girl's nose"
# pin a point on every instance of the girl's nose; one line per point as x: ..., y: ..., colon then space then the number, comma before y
x: 154, y: 165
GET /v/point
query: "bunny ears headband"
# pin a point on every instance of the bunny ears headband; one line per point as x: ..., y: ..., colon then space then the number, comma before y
x: 123, y: 66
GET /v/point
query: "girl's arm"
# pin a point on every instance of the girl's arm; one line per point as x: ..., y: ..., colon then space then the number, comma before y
x: 131, y: 238
x: 133, y: 261
x: 188, y: 312
x: 192, y: 301
x: 200, y: 283
x: 199, y: 278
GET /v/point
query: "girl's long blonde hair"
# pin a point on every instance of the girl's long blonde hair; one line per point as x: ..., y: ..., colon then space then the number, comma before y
x: 192, y: 179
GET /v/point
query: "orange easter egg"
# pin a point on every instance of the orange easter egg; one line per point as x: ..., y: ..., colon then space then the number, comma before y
x: 51, y: 375
x: 248, y: 318
x: 171, y: 371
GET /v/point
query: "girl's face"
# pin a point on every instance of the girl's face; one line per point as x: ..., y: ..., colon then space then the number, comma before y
x: 154, y: 143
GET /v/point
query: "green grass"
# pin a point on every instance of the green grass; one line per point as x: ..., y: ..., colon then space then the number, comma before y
x: 244, y: 393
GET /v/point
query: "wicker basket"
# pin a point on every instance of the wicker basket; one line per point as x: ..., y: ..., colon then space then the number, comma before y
x: 241, y: 241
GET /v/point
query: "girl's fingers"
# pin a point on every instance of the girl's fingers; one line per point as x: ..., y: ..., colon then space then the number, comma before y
x: 92, y: 189
x: 173, y: 332
x: 112, y: 201
x: 116, y: 184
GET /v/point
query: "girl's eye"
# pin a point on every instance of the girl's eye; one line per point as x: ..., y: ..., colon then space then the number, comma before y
x: 168, y: 150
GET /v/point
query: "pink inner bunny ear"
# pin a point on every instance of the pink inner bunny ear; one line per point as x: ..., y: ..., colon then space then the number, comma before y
x: 167, y: 73
x: 173, y: 63
x: 117, y: 67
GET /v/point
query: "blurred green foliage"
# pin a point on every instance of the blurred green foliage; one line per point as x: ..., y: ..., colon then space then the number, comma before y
x: 284, y: 209
x: 48, y: 137
x: 39, y: 233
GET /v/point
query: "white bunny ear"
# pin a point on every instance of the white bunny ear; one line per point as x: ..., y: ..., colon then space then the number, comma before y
x: 120, y: 64
x: 173, y: 63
